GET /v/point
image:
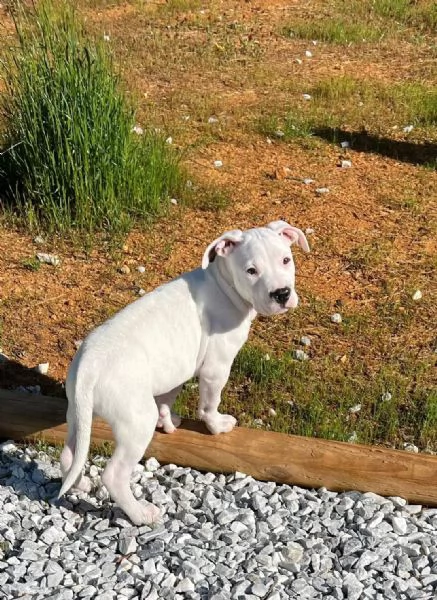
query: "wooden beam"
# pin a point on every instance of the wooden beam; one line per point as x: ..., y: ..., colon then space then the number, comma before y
x: 307, y: 462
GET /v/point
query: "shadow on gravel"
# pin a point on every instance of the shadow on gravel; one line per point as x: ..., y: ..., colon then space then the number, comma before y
x: 362, y: 141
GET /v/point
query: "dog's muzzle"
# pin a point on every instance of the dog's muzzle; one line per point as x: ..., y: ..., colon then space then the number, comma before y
x: 281, y: 295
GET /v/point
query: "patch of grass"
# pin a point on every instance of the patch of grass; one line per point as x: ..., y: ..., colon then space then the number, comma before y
x: 422, y: 14
x: 292, y: 126
x: 175, y: 6
x: 70, y: 158
x: 336, y: 31
x: 365, y: 21
x: 213, y: 199
x: 31, y: 264
x: 346, y: 103
x: 393, y: 406
x: 369, y: 255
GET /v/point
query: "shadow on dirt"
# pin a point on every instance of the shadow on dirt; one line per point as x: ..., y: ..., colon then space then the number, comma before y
x: 362, y: 141
x: 15, y: 376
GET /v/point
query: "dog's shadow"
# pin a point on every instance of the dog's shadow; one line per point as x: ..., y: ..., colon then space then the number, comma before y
x: 27, y: 479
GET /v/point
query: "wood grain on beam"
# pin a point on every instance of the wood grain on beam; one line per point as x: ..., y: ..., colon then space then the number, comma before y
x: 307, y: 462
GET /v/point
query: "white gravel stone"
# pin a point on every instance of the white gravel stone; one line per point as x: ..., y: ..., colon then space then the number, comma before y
x: 336, y: 318
x: 49, y: 259
x: 399, y: 525
x: 305, y: 341
x: 300, y: 355
x: 152, y: 464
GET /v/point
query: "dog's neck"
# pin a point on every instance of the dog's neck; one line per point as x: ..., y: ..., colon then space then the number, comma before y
x: 225, y: 283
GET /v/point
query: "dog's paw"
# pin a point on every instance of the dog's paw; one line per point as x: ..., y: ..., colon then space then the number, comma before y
x: 169, y: 423
x: 83, y: 485
x: 145, y: 514
x: 220, y: 423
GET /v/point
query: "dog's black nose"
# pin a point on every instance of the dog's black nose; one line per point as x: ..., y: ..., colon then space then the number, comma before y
x: 281, y: 295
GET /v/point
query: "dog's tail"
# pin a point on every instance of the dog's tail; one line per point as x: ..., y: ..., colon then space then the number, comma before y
x: 80, y: 421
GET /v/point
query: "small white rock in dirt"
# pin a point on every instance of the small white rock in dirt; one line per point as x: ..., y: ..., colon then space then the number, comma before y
x: 308, y: 53
x: 43, y: 368
x: 309, y: 230
x: 411, y: 448
x: 169, y: 140
x: 346, y: 164
x: 344, y: 144
x: 218, y: 164
x: 38, y: 239
x: 272, y: 412
x: 138, y: 130
x: 124, y: 270
x: 322, y: 190
x: 48, y: 259
x: 141, y: 269
x: 300, y: 355
x: 336, y: 318
x: 269, y: 141
x: 306, y: 96
x: 353, y: 438
x: 299, y: 61
x: 305, y: 341
x: 279, y: 133
x: 354, y: 409
x: 307, y: 180
x: 386, y: 396
x: 152, y: 464
x: 258, y: 422
x: 408, y: 128
x: 212, y: 120
x: 417, y: 295
x: 174, y: 201
x: 141, y: 292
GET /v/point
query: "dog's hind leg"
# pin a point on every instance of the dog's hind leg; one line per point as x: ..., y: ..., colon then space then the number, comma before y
x: 168, y: 420
x: 133, y: 424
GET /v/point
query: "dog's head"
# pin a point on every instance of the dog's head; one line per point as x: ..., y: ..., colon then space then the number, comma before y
x: 259, y: 264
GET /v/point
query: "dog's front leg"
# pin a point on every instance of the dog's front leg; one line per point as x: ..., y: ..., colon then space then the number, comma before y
x: 212, y: 380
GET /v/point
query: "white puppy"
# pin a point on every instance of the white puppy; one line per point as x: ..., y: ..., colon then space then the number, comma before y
x: 130, y: 369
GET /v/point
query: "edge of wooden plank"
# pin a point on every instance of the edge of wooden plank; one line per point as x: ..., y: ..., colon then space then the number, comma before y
x: 307, y: 462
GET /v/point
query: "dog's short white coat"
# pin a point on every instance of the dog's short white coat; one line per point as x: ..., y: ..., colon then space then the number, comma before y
x: 130, y: 369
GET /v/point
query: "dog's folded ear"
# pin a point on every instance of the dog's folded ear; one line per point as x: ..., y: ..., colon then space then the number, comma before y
x: 292, y: 235
x: 222, y: 246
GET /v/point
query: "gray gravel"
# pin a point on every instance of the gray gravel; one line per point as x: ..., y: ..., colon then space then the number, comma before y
x: 222, y: 537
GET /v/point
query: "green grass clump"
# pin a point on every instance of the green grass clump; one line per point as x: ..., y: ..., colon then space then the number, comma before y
x: 70, y: 158
x: 366, y: 21
x: 334, y: 31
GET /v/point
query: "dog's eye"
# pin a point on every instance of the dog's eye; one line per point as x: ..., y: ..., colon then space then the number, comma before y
x: 286, y: 260
x: 251, y: 271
